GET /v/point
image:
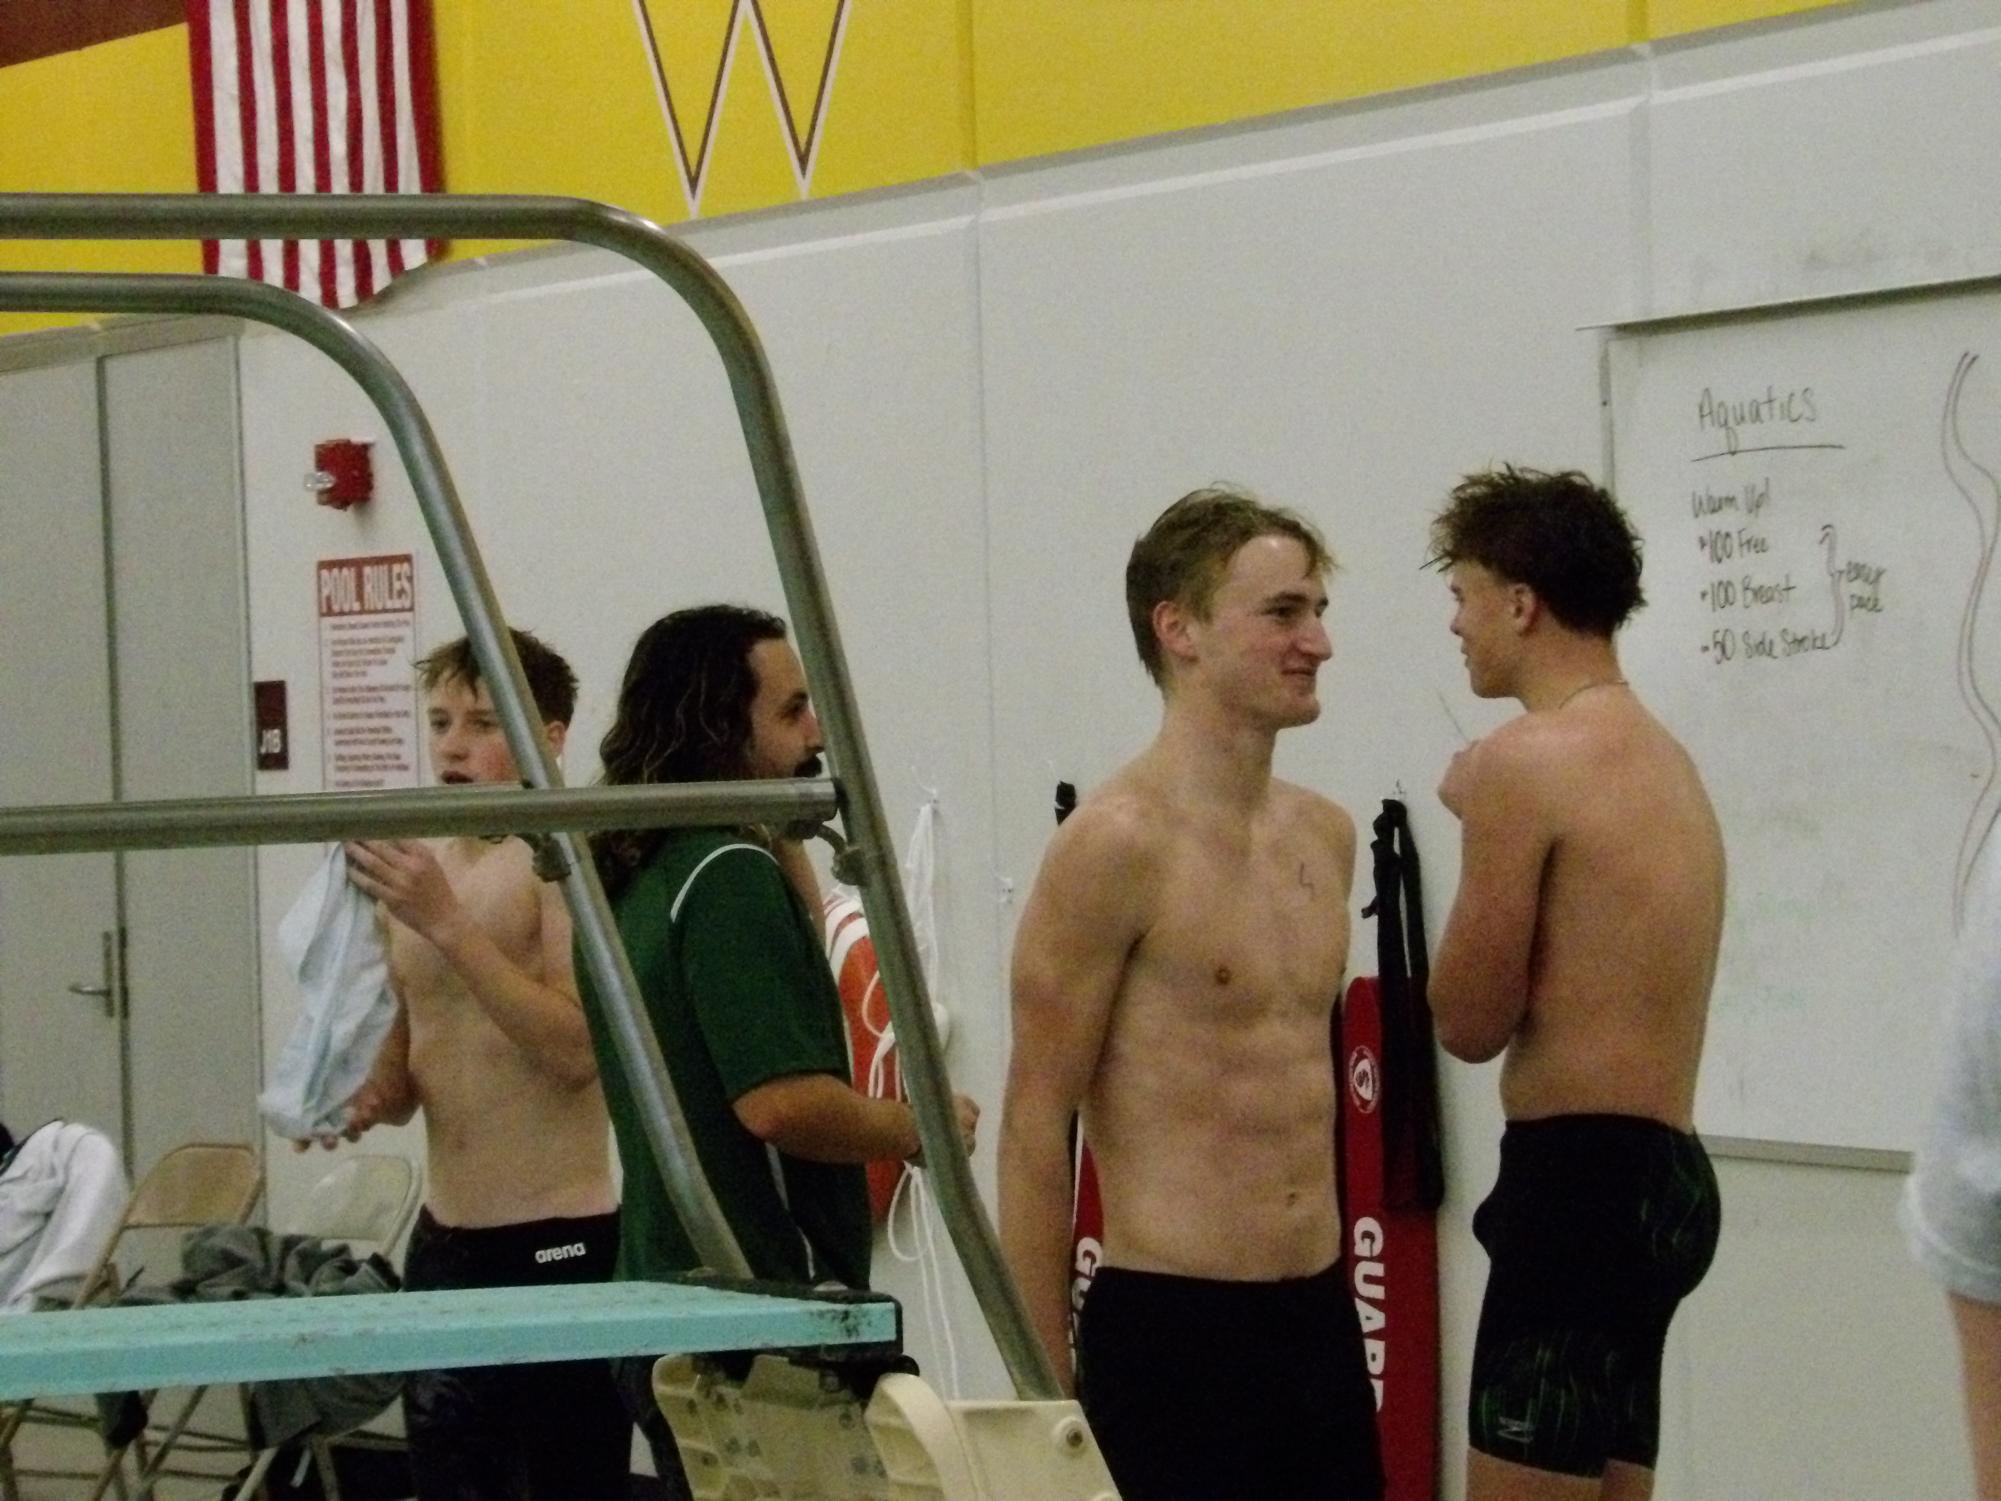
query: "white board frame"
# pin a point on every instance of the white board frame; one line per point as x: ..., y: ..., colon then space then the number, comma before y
x: 1750, y: 1148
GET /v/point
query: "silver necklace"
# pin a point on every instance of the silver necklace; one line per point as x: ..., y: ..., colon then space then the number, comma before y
x: 1587, y: 687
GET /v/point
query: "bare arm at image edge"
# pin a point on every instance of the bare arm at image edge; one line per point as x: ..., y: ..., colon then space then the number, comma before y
x: 1979, y: 1328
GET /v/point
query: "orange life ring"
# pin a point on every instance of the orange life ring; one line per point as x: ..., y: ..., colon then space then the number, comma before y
x: 871, y: 1041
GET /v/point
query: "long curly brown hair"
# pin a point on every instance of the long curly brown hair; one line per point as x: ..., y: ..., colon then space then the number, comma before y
x: 683, y: 716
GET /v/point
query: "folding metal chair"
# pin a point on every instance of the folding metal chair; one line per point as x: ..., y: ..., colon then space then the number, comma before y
x: 366, y: 1201
x: 200, y: 1183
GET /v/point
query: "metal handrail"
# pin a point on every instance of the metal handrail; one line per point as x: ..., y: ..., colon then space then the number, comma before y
x: 189, y: 216
x: 301, y: 818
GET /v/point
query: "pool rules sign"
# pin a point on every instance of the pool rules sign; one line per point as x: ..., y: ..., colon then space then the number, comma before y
x: 368, y: 694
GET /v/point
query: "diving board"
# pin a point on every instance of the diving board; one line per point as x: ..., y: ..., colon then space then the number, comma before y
x: 72, y: 1353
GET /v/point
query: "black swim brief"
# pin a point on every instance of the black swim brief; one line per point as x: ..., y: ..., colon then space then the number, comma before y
x: 1200, y: 1390
x: 1597, y: 1228
x: 554, y: 1431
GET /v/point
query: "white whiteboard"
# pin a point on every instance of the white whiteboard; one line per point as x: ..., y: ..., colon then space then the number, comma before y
x: 1819, y: 490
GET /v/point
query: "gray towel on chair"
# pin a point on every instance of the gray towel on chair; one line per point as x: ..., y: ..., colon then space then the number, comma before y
x: 226, y: 1263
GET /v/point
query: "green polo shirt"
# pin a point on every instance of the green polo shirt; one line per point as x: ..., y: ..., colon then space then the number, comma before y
x: 738, y: 992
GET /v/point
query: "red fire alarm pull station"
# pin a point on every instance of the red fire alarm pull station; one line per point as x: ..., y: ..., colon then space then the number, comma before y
x: 342, y: 473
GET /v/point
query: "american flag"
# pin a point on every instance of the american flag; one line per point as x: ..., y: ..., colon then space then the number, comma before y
x: 315, y: 96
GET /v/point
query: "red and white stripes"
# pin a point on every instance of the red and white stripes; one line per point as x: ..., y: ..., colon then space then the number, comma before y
x: 315, y: 96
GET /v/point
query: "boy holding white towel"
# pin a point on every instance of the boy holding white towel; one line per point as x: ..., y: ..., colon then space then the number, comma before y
x: 490, y: 1041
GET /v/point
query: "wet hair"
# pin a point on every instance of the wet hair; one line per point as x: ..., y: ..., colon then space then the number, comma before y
x: 1186, y: 551
x: 1560, y: 534
x: 550, y: 679
x: 683, y: 716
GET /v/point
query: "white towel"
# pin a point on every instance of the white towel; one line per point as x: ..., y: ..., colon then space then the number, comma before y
x: 61, y: 1196
x: 335, y: 949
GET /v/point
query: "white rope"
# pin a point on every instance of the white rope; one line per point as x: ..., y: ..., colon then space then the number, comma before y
x: 913, y: 1189
x: 918, y: 1240
x: 920, y: 883
x: 885, y: 1043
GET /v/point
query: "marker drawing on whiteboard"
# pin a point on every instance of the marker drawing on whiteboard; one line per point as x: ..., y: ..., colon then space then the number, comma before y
x: 1980, y: 488
x: 1828, y: 540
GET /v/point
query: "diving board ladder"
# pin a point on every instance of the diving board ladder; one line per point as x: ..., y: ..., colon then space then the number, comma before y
x: 561, y: 813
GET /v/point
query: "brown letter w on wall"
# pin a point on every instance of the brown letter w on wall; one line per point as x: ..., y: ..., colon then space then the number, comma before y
x: 40, y: 28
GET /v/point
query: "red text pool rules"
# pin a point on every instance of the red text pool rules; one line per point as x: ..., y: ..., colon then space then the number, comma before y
x: 368, y: 692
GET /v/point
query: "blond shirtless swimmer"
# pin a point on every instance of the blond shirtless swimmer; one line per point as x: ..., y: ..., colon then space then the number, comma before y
x: 1173, y: 978
x: 490, y: 1041
x: 1582, y: 942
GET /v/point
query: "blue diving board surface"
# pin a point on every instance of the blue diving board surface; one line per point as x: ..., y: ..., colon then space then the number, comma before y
x: 72, y: 1352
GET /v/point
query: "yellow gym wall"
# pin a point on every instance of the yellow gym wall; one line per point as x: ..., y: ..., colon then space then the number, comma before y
x: 117, y: 117
x: 817, y: 97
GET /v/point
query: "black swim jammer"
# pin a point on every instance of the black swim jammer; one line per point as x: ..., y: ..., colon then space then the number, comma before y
x: 1597, y: 1228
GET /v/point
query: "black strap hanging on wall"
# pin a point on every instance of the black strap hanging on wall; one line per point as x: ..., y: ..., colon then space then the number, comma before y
x: 1414, y: 1170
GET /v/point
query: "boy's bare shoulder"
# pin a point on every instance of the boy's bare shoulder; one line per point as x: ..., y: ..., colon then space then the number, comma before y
x: 1121, y: 823
x: 1327, y: 818
x: 1544, y: 751
x: 501, y: 867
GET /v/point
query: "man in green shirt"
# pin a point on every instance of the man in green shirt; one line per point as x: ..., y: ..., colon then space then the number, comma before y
x: 721, y: 928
